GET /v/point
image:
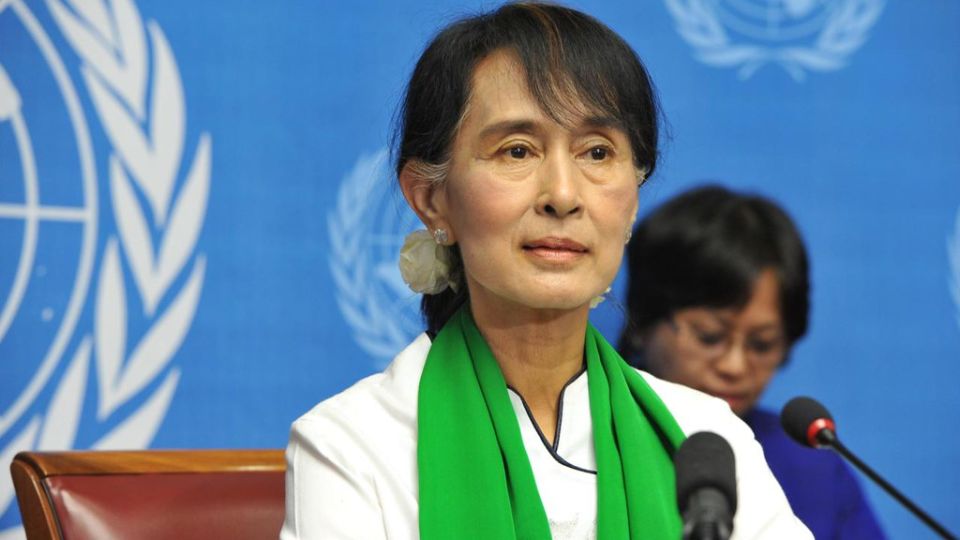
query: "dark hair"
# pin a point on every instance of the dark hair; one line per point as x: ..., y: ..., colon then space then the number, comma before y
x: 570, y: 60
x: 706, y: 248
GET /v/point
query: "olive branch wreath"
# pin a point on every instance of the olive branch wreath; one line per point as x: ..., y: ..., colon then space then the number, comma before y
x: 147, y: 138
x: 845, y: 31
x: 376, y: 330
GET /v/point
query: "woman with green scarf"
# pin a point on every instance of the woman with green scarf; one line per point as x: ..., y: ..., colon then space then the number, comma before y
x: 525, y: 134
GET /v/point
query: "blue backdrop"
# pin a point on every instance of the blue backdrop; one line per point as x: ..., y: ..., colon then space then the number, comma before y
x: 198, y: 228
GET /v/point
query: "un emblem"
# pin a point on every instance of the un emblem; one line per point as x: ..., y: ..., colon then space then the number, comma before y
x: 797, y: 35
x: 99, y: 272
x: 366, y: 231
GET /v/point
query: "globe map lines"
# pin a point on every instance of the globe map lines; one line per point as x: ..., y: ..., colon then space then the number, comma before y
x: 30, y: 211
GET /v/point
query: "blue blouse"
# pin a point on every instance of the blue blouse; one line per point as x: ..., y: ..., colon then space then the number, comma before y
x: 820, y: 487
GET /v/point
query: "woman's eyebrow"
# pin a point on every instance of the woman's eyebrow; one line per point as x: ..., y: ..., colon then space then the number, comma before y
x: 723, y: 319
x: 505, y: 127
x: 767, y: 327
x: 595, y: 122
x: 508, y: 126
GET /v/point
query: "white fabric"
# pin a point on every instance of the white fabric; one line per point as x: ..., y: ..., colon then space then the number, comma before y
x: 569, y: 495
x: 352, y: 462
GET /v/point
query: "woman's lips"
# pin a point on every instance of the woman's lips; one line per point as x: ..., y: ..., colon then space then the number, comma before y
x: 556, y: 250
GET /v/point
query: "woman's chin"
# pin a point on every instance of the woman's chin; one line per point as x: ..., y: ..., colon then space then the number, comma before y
x: 534, y: 294
x: 559, y: 301
x: 531, y: 301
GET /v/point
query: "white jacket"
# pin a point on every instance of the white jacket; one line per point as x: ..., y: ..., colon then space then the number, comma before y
x: 352, y: 461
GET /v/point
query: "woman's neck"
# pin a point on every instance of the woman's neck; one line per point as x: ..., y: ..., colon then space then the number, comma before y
x: 538, y: 351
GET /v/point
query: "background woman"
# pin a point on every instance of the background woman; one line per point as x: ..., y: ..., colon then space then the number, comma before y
x: 718, y: 295
x: 525, y: 135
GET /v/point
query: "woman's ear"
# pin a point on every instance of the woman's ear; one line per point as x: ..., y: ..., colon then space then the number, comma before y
x: 426, y: 195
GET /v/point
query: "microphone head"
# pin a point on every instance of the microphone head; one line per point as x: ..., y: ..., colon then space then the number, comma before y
x: 808, y: 422
x: 705, y: 460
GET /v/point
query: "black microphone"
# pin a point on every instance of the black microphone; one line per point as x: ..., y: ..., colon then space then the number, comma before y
x: 810, y: 424
x: 706, y: 486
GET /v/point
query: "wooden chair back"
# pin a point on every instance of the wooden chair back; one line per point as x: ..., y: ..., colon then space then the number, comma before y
x: 150, y: 494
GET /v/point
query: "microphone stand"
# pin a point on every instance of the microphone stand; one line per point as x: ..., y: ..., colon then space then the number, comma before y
x: 829, y: 438
x: 708, y: 516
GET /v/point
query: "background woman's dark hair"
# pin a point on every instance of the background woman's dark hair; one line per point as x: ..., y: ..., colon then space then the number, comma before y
x: 706, y: 248
x: 570, y: 59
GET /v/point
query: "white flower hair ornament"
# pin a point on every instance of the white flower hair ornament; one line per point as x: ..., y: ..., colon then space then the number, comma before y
x: 425, y: 263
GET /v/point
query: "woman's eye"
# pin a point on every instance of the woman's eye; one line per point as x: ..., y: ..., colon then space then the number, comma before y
x: 598, y: 153
x: 710, y: 340
x: 764, y: 347
x: 518, y: 152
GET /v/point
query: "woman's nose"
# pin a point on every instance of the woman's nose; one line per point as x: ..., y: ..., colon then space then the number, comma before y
x: 733, y: 363
x: 559, y: 187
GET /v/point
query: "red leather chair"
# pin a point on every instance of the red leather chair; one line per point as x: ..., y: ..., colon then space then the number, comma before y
x: 150, y: 494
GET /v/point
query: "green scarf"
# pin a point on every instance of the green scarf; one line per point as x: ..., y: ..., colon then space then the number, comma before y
x: 475, y: 477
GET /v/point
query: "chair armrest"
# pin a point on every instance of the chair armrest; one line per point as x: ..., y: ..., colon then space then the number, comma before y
x: 39, y: 520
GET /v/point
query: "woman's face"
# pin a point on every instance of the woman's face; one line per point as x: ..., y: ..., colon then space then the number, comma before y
x: 727, y: 353
x: 539, y: 210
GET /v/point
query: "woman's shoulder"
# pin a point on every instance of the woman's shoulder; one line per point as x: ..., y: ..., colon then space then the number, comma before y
x: 763, y: 511
x: 384, y: 402
x: 354, y: 454
x: 696, y: 411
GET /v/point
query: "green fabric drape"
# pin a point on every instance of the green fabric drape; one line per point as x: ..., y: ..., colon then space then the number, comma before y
x: 475, y: 478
